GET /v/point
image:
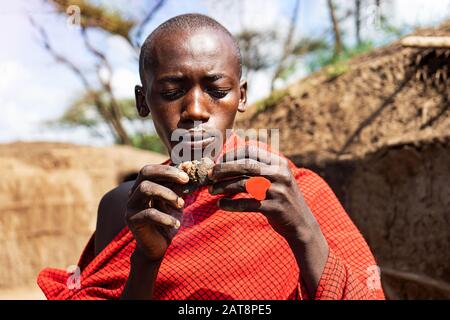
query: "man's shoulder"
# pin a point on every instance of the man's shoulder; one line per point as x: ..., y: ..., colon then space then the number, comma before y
x: 111, y: 215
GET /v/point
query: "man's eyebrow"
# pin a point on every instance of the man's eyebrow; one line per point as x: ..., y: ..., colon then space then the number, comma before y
x: 170, y: 79
x: 180, y: 78
x: 215, y: 76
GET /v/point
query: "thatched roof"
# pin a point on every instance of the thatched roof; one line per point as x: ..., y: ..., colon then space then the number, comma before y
x: 392, y: 95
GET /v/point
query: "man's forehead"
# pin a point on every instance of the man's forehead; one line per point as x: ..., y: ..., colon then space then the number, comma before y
x: 203, y: 49
x: 203, y: 44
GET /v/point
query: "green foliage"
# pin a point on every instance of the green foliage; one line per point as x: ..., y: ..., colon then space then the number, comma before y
x: 336, y: 69
x: 81, y: 112
x: 394, y: 32
x: 149, y: 142
x: 287, y: 71
x: 308, y: 45
x: 337, y: 65
x: 84, y: 110
x: 98, y: 16
x: 274, y: 98
x: 127, y: 107
x: 254, y: 57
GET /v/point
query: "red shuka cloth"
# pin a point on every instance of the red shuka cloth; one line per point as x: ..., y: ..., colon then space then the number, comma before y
x: 231, y: 255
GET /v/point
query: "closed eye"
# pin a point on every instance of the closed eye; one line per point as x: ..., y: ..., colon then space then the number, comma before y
x: 172, y: 94
x: 218, y: 93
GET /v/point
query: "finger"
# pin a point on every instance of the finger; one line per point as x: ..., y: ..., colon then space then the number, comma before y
x: 168, y: 209
x: 154, y: 216
x: 240, y: 205
x: 148, y: 190
x: 242, y: 167
x: 158, y: 172
x: 184, y: 189
x: 255, y: 153
x: 230, y: 186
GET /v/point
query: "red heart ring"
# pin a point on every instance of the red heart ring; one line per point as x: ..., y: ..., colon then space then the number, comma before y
x: 257, y: 187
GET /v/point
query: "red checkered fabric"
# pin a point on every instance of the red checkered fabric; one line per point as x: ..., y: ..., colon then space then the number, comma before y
x: 231, y: 255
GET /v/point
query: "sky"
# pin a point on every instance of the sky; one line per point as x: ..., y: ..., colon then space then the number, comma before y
x: 35, y: 89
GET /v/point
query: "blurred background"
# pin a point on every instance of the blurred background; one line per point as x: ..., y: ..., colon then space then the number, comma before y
x: 358, y: 88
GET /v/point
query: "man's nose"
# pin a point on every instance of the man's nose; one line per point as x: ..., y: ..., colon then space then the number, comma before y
x: 195, y: 106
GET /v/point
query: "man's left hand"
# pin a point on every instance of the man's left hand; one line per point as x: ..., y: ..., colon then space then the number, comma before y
x: 284, y: 206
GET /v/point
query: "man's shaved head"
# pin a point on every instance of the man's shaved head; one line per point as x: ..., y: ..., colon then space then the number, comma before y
x: 185, y: 23
x: 190, y: 69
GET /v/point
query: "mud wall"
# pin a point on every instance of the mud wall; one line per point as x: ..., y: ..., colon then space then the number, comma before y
x: 399, y: 197
x: 48, y: 202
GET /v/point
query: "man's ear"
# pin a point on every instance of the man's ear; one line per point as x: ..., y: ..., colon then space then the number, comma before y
x: 141, y: 105
x: 243, y: 96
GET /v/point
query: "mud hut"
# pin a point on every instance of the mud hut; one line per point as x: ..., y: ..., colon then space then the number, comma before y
x: 49, y: 193
x: 378, y: 132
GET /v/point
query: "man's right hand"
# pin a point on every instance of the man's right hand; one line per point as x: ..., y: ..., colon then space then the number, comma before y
x: 153, y: 210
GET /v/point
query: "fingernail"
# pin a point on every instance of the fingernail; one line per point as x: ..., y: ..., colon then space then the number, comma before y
x: 180, y: 202
x: 183, y: 176
x: 177, y: 224
x: 167, y: 221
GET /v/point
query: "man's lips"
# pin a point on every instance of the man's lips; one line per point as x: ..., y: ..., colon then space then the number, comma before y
x: 197, y: 138
x: 197, y: 142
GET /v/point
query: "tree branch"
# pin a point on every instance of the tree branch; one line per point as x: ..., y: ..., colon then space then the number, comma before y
x: 337, y: 32
x: 142, y: 24
x: 98, y: 54
x: 111, y: 117
x: 113, y: 113
x: 287, y: 48
x: 58, y: 57
x: 358, y: 21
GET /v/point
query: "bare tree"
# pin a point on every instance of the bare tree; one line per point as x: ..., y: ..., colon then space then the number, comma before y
x: 358, y: 21
x: 99, y: 95
x: 288, y: 44
x: 256, y: 57
x: 338, y: 47
x: 378, y: 3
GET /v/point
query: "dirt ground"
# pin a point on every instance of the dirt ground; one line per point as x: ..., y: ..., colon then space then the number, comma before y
x: 22, y: 293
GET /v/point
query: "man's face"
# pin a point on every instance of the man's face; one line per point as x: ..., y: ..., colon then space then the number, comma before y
x: 193, y: 82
